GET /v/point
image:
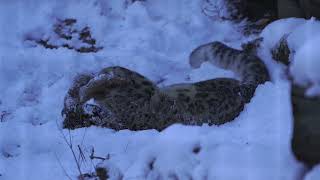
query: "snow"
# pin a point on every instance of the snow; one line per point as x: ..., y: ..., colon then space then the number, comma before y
x: 89, y: 106
x: 306, y: 65
x: 153, y: 38
x: 314, y: 174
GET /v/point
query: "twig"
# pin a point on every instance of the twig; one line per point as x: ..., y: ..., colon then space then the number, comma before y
x: 92, y: 156
x: 69, y: 143
x: 75, y: 158
x: 126, y: 148
x: 81, y: 155
x: 96, y: 157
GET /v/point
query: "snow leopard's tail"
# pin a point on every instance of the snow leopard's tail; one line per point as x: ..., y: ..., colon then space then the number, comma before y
x: 250, y: 68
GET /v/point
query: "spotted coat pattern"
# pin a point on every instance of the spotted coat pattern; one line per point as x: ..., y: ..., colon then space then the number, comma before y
x: 124, y: 99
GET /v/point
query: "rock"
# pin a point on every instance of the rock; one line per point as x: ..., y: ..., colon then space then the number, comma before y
x: 305, y: 141
x: 102, y: 173
x: 306, y: 131
x: 66, y: 34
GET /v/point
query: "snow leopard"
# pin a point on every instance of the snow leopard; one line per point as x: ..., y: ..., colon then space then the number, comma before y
x: 120, y: 98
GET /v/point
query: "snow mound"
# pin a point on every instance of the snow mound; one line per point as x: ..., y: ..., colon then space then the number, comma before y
x: 303, y: 41
x: 314, y: 174
x: 306, y: 65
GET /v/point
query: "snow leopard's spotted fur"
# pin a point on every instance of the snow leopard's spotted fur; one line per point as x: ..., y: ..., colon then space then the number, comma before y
x: 127, y: 100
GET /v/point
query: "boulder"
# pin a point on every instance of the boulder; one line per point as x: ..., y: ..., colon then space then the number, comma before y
x: 306, y: 129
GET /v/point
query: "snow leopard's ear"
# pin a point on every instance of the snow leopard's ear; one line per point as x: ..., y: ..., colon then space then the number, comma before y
x: 251, y: 47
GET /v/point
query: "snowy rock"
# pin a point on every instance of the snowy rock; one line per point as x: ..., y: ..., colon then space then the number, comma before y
x: 294, y: 42
x: 66, y: 34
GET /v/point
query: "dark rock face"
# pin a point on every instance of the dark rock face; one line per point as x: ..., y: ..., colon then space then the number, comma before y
x: 306, y: 131
x: 258, y: 9
x: 67, y: 33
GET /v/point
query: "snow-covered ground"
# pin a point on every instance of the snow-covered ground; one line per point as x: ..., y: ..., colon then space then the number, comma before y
x: 153, y: 38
